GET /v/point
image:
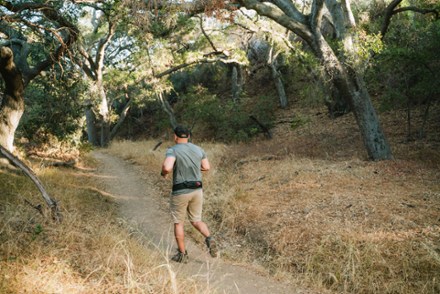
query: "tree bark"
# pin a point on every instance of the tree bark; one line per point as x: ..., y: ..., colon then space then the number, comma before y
x: 12, y: 104
x: 91, y: 126
x: 276, y: 76
x: 236, y: 82
x: 105, y: 121
x: 167, y: 108
x: 121, y: 119
x: 279, y: 85
x: 373, y: 136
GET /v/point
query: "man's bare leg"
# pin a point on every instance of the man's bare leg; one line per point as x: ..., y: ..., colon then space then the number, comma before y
x: 202, y: 228
x: 179, y: 234
x: 210, y: 242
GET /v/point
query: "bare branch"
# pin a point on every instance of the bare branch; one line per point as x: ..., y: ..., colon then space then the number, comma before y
x: 388, y: 14
x: 121, y: 119
x: 418, y: 10
x: 206, y: 35
x: 290, y: 10
x: 89, y: 70
x: 103, y: 43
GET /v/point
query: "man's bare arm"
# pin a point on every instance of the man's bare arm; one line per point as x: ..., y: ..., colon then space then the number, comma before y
x: 167, y: 166
x: 205, y: 165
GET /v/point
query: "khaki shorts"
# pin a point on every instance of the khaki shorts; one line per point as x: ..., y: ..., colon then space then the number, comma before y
x: 187, y: 204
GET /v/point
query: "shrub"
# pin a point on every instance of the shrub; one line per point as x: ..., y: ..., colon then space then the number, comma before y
x: 223, y: 119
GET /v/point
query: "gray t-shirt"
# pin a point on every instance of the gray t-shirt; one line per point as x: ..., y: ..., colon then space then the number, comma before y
x: 188, y: 164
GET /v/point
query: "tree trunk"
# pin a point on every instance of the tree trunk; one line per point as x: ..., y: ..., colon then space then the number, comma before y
x: 105, y: 115
x: 276, y: 75
x: 91, y: 126
x: 373, y: 136
x: 167, y: 108
x: 105, y: 130
x: 279, y: 85
x: 12, y: 104
x: 236, y: 82
x: 121, y: 119
x: 351, y: 87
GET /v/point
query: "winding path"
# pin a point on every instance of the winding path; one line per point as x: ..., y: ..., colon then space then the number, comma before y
x: 139, y: 204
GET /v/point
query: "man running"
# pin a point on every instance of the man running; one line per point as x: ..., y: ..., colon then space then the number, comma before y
x: 187, y: 161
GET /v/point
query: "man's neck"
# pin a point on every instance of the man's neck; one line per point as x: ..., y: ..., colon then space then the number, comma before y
x: 181, y: 140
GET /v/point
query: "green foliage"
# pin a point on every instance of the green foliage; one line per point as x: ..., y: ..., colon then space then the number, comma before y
x: 311, y: 93
x: 302, y: 76
x: 224, y: 120
x: 368, y: 44
x: 408, y: 68
x: 53, y: 108
x: 38, y: 229
x: 210, y: 76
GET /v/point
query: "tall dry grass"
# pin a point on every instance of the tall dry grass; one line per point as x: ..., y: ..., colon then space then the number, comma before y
x: 91, y: 251
x: 307, y: 212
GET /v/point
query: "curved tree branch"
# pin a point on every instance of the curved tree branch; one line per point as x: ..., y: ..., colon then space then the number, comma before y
x: 290, y: 10
x: 274, y: 13
x: 70, y: 33
x: 388, y: 14
x: 121, y: 119
x: 391, y: 10
x: 206, y: 35
x: 418, y: 10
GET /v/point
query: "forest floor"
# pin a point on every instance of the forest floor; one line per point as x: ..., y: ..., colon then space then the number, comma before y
x: 140, y: 205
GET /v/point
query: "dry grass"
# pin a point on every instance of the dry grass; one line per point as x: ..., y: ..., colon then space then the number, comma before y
x: 308, y: 207
x: 91, y: 251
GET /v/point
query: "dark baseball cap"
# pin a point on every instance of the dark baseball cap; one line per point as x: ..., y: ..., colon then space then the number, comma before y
x: 182, y: 132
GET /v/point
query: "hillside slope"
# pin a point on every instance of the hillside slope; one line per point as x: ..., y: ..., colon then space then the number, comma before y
x: 307, y: 206
x: 316, y: 210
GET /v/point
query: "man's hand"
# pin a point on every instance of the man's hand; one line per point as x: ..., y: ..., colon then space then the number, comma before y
x: 164, y: 175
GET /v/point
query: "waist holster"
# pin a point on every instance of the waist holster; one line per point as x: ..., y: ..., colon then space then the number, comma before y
x: 187, y: 185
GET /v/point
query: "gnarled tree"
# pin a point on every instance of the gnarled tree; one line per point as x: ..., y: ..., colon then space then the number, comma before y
x: 18, y: 66
x: 341, y: 69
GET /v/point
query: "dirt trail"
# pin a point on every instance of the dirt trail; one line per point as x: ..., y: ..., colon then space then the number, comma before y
x: 139, y: 204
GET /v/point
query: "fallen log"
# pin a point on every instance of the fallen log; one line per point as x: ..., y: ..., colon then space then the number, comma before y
x: 53, y: 205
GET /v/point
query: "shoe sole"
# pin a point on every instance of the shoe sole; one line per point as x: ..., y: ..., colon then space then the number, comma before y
x: 180, y: 259
x: 184, y: 260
